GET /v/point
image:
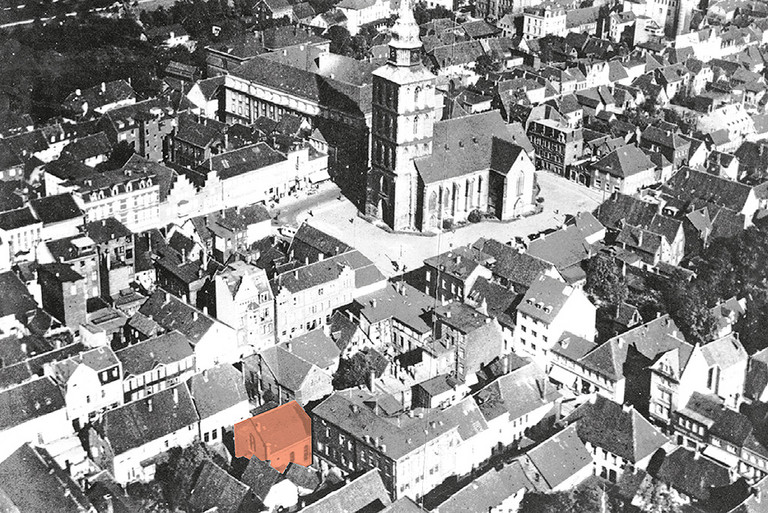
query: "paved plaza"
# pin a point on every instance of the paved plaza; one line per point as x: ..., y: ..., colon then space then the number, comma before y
x: 340, y: 219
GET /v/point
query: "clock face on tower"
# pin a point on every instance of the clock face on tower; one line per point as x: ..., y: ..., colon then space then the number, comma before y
x: 415, y: 56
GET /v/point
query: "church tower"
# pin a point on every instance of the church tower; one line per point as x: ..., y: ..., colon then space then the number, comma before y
x: 403, y: 119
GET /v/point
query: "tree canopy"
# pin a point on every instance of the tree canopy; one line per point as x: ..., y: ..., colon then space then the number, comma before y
x: 354, y: 371
x: 605, y: 281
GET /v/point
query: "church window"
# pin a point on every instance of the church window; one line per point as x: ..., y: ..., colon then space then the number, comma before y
x: 416, y: 125
x: 520, y: 184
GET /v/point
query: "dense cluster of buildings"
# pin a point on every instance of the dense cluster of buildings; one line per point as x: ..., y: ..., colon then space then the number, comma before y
x: 149, y: 303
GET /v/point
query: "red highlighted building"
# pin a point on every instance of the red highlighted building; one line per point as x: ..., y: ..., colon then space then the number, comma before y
x: 281, y: 435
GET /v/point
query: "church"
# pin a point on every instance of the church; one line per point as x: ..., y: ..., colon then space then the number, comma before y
x: 426, y: 173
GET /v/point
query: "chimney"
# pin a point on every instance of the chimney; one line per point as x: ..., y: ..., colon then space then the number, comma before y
x: 355, y: 408
x: 696, y: 455
x: 176, y: 395
x: 373, y: 303
x: 371, y: 381
x: 448, y: 314
x: 78, y: 92
x: 194, y: 315
x: 458, y: 259
x: 626, y: 408
x: 149, y: 404
x: 484, y: 307
x: 288, y: 347
x: 183, y: 255
x: 103, y: 87
x: 505, y: 365
x: 205, y: 375
x: 23, y: 348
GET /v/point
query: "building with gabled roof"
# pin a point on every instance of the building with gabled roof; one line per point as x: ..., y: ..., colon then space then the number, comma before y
x: 216, y: 489
x: 348, y: 432
x: 305, y: 296
x: 624, y: 170
x: 240, y: 296
x: 517, y: 401
x: 99, y: 99
x: 617, y: 436
x: 220, y: 400
x: 44, y: 487
x: 280, y: 375
x: 32, y: 411
x: 366, y: 493
x: 270, y: 488
x: 129, y: 440
x: 548, y: 309
x: 213, y: 341
x: 499, y: 488
x: 559, y: 463
x: 155, y: 364
x: 281, y: 435
x: 91, y: 383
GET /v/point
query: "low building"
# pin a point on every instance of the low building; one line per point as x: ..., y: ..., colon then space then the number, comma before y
x: 91, y: 382
x: 618, y: 437
x: 220, y: 400
x: 625, y: 170
x: 281, y: 436
x: 155, y: 364
x: 213, y: 341
x: 131, y: 438
x: 559, y: 463
x: 276, y: 374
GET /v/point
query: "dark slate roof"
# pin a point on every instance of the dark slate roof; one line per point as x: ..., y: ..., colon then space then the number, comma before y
x: 500, y: 301
x: 56, y: 209
x: 515, y: 266
x: 112, y: 92
x: 516, y: 394
x: 560, y: 456
x: 616, y: 429
x: 319, y: 241
x: 172, y: 313
x: 31, y: 481
x: 210, y: 86
x: 366, y: 493
x: 216, y: 489
x: 88, y: 146
x: 289, y: 370
x: 460, y: 262
x: 14, y: 219
x: 243, y: 160
x: 197, y: 131
x: 134, y: 425
x: 301, y: 476
x: 545, y: 298
x: 260, y: 476
x: 692, y: 475
x: 29, y: 401
x: 693, y: 184
x: 625, y: 162
x: 315, y: 347
x: 214, y: 390
x: 464, y: 145
x: 150, y: 354
x: 106, y: 229
x: 64, y: 272
x: 352, y: 98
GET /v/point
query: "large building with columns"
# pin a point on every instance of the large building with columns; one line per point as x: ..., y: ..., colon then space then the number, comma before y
x: 426, y: 174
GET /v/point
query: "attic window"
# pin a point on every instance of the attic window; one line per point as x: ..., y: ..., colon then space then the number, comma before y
x: 547, y: 309
x: 225, y: 163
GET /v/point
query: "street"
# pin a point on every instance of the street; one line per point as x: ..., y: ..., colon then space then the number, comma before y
x: 340, y: 219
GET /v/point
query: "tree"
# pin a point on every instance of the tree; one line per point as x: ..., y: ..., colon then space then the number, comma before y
x: 486, y: 64
x: 656, y: 497
x: 424, y: 15
x: 340, y: 40
x: 605, y: 281
x: 354, y: 371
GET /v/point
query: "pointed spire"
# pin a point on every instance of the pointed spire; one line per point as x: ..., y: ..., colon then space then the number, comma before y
x: 405, y: 32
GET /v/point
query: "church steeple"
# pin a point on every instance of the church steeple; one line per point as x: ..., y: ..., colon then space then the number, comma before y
x: 405, y: 46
